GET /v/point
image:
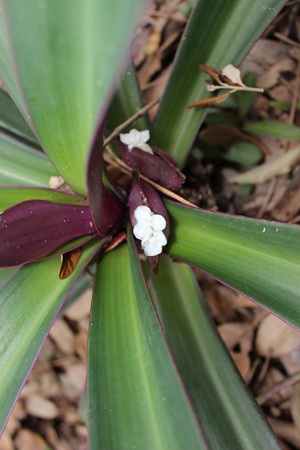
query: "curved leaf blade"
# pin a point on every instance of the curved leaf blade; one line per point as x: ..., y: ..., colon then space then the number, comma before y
x: 69, y: 73
x: 260, y: 259
x: 29, y: 302
x: 21, y: 165
x: 274, y: 129
x: 5, y: 274
x: 107, y: 209
x: 12, y: 121
x: 126, y: 102
x: 7, y: 66
x: 218, y: 393
x: 10, y: 196
x: 33, y: 229
x: 215, y: 36
x: 133, y: 388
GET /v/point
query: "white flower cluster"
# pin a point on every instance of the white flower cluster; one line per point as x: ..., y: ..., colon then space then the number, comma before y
x: 137, y: 139
x: 148, y: 229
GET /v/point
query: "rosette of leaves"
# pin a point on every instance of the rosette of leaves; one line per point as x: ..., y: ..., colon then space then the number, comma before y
x: 158, y: 375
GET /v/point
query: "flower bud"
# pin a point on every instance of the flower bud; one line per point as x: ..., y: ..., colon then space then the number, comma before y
x: 158, y: 165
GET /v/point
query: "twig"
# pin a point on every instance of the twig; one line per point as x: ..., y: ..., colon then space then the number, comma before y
x: 290, y: 381
x: 287, y: 40
x: 295, y: 94
x: 268, y: 196
x: 131, y: 119
x: 236, y: 88
x: 127, y: 169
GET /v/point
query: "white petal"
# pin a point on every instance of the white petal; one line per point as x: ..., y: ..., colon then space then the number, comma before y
x: 142, y: 214
x: 152, y: 249
x: 144, y: 136
x: 125, y: 139
x: 152, y: 244
x: 141, y: 231
x: 137, y: 139
x: 135, y: 134
x: 158, y: 222
x: 233, y: 74
x: 211, y: 87
x: 145, y: 147
x: 159, y: 235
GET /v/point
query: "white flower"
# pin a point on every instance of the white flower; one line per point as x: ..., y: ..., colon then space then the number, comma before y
x: 137, y: 139
x: 152, y: 244
x: 233, y: 74
x: 149, y: 229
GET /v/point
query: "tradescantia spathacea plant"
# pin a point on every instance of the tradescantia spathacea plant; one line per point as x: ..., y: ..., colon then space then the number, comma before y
x: 158, y: 375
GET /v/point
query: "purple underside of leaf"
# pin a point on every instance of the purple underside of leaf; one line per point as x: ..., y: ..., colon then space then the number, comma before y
x: 34, y: 228
x: 107, y: 209
x: 159, y: 167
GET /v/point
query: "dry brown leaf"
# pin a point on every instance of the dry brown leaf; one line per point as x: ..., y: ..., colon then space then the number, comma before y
x: 291, y: 362
x: 81, y: 308
x: 221, y: 303
x: 56, y: 182
x: 242, y: 362
x: 46, y: 354
x: 81, y: 342
x: 38, y: 406
x: 286, y: 431
x: 295, y: 406
x: 27, y: 440
x: 153, y: 42
x: 264, y: 54
x: 288, y: 207
x: 282, y: 165
x: 151, y: 66
x: 69, y: 261
x: 271, y: 77
x: 6, y: 442
x: 233, y: 333
x: 155, y: 89
x: 275, y: 338
x: 273, y: 378
x: 244, y: 302
x: 63, y: 337
x: 224, y: 135
x: 73, y: 381
x: 281, y: 93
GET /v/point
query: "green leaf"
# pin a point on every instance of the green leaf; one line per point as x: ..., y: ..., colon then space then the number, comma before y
x: 135, y: 396
x: 215, y: 36
x: 5, y: 274
x: 29, y: 302
x: 67, y: 64
x: 222, y: 118
x: 274, y: 129
x: 246, y: 98
x: 127, y: 102
x: 10, y: 196
x: 12, y: 121
x: 7, y: 69
x: 217, y: 391
x: 261, y: 259
x: 285, y: 106
x: 243, y: 153
x: 22, y: 165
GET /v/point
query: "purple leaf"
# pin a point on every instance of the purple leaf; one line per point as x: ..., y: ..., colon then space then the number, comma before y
x: 34, y: 228
x: 160, y: 167
x: 107, y: 209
